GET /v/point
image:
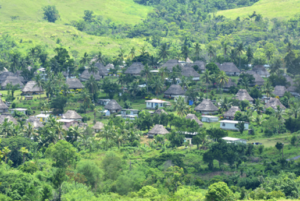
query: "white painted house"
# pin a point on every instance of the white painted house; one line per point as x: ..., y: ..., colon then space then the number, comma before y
x: 22, y: 110
x: 151, y: 104
x: 43, y: 117
x: 130, y: 114
x: 234, y: 140
x: 231, y: 125
x: 209, y: 119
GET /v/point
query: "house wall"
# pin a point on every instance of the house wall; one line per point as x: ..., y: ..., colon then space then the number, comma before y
x: 209, y: 120
x: 232, y: 73
x: 211, y: 112
x: 231, y: 126
x: 152, y: 105
x: 237, y: 141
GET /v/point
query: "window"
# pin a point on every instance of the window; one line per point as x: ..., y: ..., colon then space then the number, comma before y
x: 223, y: 124
x: 235, y: 125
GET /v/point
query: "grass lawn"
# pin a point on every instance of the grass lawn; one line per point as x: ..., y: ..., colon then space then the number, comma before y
x: 267, y: 8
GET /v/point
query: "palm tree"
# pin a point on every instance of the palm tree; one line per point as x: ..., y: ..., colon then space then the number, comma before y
x: 39, y: 82
x: 15, y: 62
x: 279, y: 113
x: 269, y: 55
x: 24, y: 151
x: 157, y: 85
x: 6, y: 128
x: 211, y: 51
x: 268, y: 89
x: 181, y: 107
x: 186, y: 81
x: 185, y: 51
x: 93, y: 86
x: 86, y: 100
x: 294, y: 109
x: 12, y: 88
x: 222, y: 79
x: 225, y: 49
x: 74, y: 133
x: 119, y: 138
x: 164, y: 51
x: 249, y: 54
x: 147, y: 73
x: 93, y: 69
x: 143, y: 50
x: 163, y: 72
x: 85, y: 59
x: 100, y: 58
x: 121, y: 53
x: 6, y: 151
x: 206, y: 78
x: 239, y: 52
x: 275, y: 66
x: 65, y: 89
x: 132, y: 52
x: 29, y: 131
x: 258, y: 120
x: 197, y: 50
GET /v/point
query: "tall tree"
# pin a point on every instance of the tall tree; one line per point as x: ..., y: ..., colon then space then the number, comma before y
x: 164, y: 51
x: 181, y: 107
x: 239, y: 52
x: 211, y: 50
x: 147, y: 73
x: 197, y: 51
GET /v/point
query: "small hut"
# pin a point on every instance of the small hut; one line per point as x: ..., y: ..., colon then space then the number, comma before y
x: 200, y: 64
x: 113, y: 106
x: 257, y: 78
x: 98, y: 126
x: 9, y: 119
x: 273, y: 103
x: 32, y: 88
x: 110, y: 67
x: 171, y: 64
x: 4, y: 75
x: 261, y: 70
x: 174, y: 91
x: 231, y: 112
x: 13, y: 80
x: 279, y: 90
x: 229, y: 84
x: 292, y: 87
x: 72, y: 115
x: 242, y: 95
x: 98, y: 64
x: 103, y: 72
x: 190, y: 72
x: 74, y: 83
x: 160, y: 111
x: 157, y: 130
x: 135, y: 69
x: 86, y: 75
x: 194, y: 117
x: 3, y: 107
x: 35, y: 122
x: 229, y: 68
x: 206, y: 107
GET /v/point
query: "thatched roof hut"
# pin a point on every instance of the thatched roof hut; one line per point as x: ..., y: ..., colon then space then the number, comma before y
x: 3, y: 106
x: 98, y: 126
x: 273, y: 103
x: 13, y: 80
x: 279, y: 90
x: 174, y: 90
x: 71, y: 114
x: 189, y: 72
x: 109, y: 66
x: 74, y: 83
x: 194, y: 117
x: 231, y: 112
x: 86, y: 75
x: 243, y: 94
x: 158, y: 130
x: 31, y: 87
x: 261, y: 70
x: 200, y: 64
x: 5, y: 74
x: 9, y: 118
x: 257, y: 78
x: 230, y: 83
x: 135, y: 69
x: 35, y: 122
x: 113, y: 106
x: 229, y: 68
x: 206, y: 106
x: 103, y: 72
x: 292, y: 87
x: 99, y: 65
x: 159, y: 111
x: 171, y: 64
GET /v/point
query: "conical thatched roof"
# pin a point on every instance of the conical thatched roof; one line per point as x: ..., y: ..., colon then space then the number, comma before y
x: 103, y: 71
x: 174, y: 89
x: 31, y: 87
x: 86, y: 75
x: 279, y: 90
x: 291, y: 88
x: 258, y: 79
x: 112, y: 105
x: 273, y: 103
x: 98, y: 126
x: 229, y: 67
x: 99, y: 65
x: 189, y: 72
x: 230, y: 83
x: 200, y: 64
x: 261, y: 70
x: 158, y: 130
x: 71, y: 114
x: 9, y: 118
x: 242, y: 94
x: 159, y: 111
x: 194, y: 117
x: 207, y: 106
x: 3, y: 106
x: 35, y: 122
x: 231, y: 112
x: 13, y: 80
x: 135, y: 68
x: 4, y: 75
x: 74, y: 83
x: 170, y: 64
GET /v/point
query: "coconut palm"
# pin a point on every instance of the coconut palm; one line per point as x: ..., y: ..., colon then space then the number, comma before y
x: 181, y: 107
x: 30, y: 131
x: 24, y: 151
x: 239, y: 52
x: 39, y: 82
x: 294, y: 109
x: 268, y: 89
x: 275, y: 66
x: 93, y: 86
x: 222, y: 79
x: 7, y: 128
x: 5, y: 152
x: 206, y: 78
x: 211, y: 50
x: 157, y: 85
x: 186, y: 81
x: 225, y: 47
x: 197, y: 50
x: 93, y: 69
x: 119, y: 138
x: 85, y: 59
x: 258, y: 120
x: 147, y: 73
x: 164, y: 51
x: 279, y: 113
x: 163, y: 73
x: 12, y: 88
x: 132, y: 52
x: 100, y: 58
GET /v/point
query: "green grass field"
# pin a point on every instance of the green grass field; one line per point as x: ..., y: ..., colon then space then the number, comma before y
x: 30, y: 28
x: 267, y: 8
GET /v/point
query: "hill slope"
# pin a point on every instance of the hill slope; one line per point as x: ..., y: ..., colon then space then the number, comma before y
x: 267, y: 8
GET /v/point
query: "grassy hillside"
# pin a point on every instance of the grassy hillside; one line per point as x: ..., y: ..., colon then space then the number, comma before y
x: 31, y: 29
x: 120, y: 11
x: 268, y: 8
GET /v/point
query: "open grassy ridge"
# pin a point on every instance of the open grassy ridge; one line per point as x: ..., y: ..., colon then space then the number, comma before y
x: 267, y: 8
